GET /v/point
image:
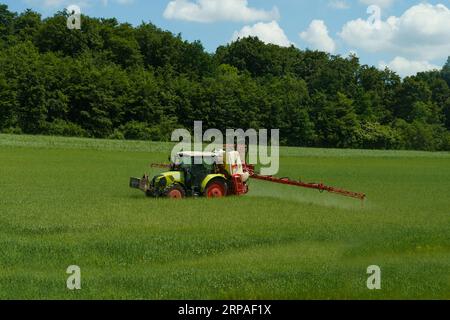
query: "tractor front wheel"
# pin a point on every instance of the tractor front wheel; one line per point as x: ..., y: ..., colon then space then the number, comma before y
x: 216, y: 189
x: 175, y: 192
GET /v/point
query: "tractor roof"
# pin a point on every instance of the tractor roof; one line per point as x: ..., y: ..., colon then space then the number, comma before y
x: 193, y: 154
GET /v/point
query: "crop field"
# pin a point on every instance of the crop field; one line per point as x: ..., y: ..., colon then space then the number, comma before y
x: 66, y: 201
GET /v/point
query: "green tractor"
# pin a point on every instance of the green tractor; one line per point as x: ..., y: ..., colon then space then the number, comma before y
x: 194, y: 174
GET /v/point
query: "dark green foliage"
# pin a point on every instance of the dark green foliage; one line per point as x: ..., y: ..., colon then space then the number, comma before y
x: 6, y: 22
x: 7, y: 104
x: 26, y: 25
x: 143, y: 131
x: 63, y: 128
x: 259, y: 59
x: 113, y: 80
x: 337, y: 123
x: 446, y: 71
x: 376, y: 136
x: 420, y: 136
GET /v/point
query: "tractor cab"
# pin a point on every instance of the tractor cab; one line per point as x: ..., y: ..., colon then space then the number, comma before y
x: 195, y: 168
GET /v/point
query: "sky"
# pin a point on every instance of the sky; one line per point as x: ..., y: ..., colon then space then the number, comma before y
x: 408, y: 36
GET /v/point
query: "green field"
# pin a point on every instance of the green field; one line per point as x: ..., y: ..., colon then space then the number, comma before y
x: 66, y: 201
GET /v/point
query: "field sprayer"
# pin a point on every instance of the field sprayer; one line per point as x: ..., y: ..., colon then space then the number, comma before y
x: 221, y: 173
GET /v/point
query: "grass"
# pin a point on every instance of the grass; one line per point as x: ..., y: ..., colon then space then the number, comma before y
x: 66, y: 201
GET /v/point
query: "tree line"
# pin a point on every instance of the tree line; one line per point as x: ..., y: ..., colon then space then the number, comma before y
x: 113, y: 80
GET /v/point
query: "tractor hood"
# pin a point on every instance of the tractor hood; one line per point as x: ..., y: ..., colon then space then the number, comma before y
x: 176, y: 175
x: 171, y: 177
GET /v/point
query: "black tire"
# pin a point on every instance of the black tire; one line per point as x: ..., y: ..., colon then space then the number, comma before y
x: 175, y: 192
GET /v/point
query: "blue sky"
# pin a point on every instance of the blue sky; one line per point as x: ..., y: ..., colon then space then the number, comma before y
x: 410, y: 36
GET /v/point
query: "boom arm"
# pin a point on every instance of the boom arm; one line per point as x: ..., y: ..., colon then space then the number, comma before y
x: 318, y: 186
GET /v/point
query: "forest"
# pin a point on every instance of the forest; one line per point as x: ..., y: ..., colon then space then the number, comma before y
x: 118, y: 81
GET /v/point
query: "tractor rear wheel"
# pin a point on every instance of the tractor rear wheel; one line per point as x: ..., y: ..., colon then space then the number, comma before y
x: 216, y: 189
x: 175, y: 192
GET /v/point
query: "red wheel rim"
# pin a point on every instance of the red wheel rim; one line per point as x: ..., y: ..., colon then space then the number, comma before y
x: 175, y: 194
x: 216, y: 191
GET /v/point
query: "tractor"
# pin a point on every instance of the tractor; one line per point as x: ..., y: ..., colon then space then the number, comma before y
x: 215, y: 175
x: 193, y: 174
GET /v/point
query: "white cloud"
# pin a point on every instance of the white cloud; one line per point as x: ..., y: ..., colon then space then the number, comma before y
x: 405, y: 67
x: 318, y: 38
x: 217, y: 10
x: 339, y: 4
x: 421, y: 33
x: 269, y: 32
x: 380, y: 3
